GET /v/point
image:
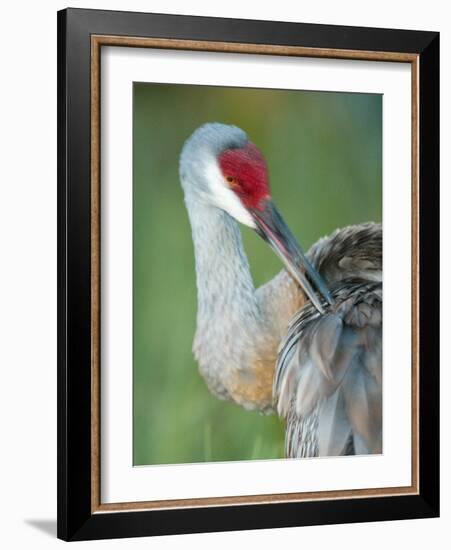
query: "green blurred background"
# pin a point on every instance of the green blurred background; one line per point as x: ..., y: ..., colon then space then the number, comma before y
x: 324, y: 152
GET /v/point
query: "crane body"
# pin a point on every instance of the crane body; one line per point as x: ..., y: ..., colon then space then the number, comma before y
x: 307, y: 344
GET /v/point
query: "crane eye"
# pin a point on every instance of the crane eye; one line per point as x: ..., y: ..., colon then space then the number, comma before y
x: 232, y: 181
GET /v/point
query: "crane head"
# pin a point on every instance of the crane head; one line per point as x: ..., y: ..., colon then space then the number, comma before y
x: 221, y: 167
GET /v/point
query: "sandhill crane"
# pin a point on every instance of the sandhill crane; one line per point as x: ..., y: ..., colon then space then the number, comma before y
x: 308, y: 344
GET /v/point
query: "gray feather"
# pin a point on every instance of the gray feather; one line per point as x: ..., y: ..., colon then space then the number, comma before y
x: 335, y: 371
x: 334, y: 429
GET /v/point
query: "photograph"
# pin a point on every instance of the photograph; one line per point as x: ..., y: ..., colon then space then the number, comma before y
x: 257, y: 274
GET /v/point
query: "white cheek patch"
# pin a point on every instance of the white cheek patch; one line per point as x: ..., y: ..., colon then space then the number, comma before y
x: 225, y: 198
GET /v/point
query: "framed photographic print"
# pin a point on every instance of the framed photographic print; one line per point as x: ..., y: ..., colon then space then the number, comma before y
x: 236, y: 201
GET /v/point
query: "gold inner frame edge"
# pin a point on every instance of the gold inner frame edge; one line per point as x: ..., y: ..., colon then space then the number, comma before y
x: 97, y: 41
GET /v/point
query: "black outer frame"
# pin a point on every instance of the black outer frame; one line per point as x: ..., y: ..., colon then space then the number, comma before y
x: 75, y: 520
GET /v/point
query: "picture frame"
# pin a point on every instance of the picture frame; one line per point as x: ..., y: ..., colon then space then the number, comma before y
x: 81, y: 36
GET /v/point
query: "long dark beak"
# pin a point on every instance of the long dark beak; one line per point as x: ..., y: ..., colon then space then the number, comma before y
x: 272, y: 228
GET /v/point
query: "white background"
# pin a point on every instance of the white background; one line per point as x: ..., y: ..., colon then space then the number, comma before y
x: 120, y: 482
x: 28, y: 273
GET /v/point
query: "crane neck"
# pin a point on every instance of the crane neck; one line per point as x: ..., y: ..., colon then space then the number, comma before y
x: 224, y: 281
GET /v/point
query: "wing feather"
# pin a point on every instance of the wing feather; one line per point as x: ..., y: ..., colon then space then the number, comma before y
x: 330, y: 366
